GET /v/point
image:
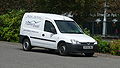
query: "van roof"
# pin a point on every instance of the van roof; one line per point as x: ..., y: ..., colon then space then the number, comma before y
x: 50, y: 16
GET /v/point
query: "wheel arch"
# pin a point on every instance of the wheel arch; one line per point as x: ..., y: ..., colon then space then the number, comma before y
x: 60, y: 43
x: 23, y: 37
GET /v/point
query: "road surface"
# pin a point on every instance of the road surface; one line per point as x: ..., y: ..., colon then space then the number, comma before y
x: 12, y: 56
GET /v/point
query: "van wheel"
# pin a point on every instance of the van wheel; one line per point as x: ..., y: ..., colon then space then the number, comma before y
x: 62, y: 49
x: 26, y: 45
x: 89, y: 54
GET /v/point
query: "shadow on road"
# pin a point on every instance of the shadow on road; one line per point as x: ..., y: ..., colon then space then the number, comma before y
x: 46, y: 51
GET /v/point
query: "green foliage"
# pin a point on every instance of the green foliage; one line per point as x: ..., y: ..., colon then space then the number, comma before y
x: 97, y: 38
x: 86, y: 31
x: 10, y: 24
x: 115, y: 47
x: 51, y: 6
x: 112, y: 47
x: 103, y: 46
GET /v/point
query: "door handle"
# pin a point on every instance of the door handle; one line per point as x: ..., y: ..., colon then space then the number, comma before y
x: 43, y: 35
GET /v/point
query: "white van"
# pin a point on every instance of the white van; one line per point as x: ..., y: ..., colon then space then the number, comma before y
x: 56, y: 32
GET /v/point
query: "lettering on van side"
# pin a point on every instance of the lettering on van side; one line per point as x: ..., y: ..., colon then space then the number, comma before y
x: 33, y: 17
x: 35, y: 24
x: 30, y: 31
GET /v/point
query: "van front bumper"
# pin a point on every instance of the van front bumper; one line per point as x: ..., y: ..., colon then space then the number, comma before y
x: 77, y: 48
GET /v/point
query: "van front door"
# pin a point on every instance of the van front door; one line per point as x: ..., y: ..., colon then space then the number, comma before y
x: 49, y: 35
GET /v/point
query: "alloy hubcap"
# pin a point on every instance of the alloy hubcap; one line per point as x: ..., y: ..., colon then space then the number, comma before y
x: 62, y: 49
x: 26, y: 44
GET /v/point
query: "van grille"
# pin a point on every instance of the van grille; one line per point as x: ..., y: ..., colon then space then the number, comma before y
x: 87, y: 43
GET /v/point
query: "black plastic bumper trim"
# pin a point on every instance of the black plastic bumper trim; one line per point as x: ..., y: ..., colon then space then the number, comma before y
x: 79, y: 48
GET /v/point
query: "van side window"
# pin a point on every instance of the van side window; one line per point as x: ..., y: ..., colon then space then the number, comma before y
x: 49, y: 27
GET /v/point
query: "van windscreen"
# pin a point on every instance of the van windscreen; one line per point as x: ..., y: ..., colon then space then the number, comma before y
x: 68, y: 27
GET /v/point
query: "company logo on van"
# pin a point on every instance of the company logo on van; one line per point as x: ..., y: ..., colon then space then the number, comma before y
x: 88, y: 43
x: 33, y: 23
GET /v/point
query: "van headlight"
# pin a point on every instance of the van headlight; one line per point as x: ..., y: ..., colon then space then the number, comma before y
x: 74, y: 41
x: 95, y: 43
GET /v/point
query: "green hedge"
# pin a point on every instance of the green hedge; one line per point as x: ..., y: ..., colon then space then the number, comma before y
x: 115, y: 47
x: 10, y: 24
x: 103, y: 46
x: 112, y: 47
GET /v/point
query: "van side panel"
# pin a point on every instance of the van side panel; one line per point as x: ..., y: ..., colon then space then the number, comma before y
x: 31, y: 26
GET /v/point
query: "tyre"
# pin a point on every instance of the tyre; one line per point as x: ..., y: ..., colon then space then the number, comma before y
x: 89, y: 54
x: 62, y: 49
x: 26, y: 45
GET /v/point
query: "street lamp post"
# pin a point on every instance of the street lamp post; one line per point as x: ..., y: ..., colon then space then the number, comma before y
x: 104, y: 19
